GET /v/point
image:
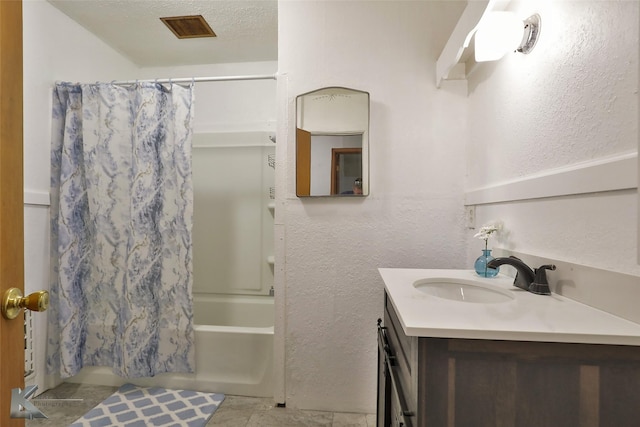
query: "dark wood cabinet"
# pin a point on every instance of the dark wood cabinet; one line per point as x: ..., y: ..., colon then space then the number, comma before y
x: 443, y: 382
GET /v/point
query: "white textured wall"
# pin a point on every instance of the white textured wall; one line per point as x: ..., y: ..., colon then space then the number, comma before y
x: 330, y: 248
x: 573, y: 99
x: 56, y: 48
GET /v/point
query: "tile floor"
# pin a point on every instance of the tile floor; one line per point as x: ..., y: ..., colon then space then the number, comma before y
x: 235, y: 411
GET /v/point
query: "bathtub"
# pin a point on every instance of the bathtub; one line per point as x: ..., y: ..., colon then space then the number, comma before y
x: 234, y: 350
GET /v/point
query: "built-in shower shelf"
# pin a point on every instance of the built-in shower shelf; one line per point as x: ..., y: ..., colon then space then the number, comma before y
x: 271, y: 259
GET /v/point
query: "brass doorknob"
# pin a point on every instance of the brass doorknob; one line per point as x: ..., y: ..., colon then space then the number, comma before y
x: 13, y: 302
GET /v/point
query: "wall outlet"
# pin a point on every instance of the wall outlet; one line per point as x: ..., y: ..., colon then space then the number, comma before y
x: 470, y: 217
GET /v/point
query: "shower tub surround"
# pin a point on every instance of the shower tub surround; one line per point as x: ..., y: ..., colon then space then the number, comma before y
x: 234, y: 350
x: 233, y: 179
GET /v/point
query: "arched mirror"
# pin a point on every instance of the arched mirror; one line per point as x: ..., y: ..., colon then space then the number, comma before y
x: 332, y: 143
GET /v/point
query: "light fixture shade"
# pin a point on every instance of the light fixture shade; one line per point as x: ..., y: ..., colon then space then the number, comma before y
x: 497, y: 34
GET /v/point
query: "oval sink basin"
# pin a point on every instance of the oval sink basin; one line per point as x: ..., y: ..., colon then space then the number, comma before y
x: 462, y: 290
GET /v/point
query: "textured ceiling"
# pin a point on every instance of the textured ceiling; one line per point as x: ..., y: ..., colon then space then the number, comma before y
x: 247, y: 30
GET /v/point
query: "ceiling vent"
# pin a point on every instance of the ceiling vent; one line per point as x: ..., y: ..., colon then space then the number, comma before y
x: 188, y: 27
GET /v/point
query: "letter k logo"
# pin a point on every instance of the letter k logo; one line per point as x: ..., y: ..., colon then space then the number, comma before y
x: 21, y: 407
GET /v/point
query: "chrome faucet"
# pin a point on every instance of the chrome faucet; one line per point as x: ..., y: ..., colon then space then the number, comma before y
x: 534, y: 281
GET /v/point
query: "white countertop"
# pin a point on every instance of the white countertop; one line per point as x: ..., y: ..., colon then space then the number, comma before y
x: 528, y: 317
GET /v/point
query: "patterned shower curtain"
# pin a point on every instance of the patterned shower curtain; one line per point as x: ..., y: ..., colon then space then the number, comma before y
x: 121, y: 218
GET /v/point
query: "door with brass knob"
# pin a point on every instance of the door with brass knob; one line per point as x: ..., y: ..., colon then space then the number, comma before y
x: 13, y: 302
x: 12, y: 206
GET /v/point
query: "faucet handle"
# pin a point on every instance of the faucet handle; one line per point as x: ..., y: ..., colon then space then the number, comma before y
x: 540, y: 285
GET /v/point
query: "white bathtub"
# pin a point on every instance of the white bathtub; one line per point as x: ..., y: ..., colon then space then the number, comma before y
x: 234, y: 350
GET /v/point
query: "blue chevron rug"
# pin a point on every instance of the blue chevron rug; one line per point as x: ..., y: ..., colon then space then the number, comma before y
x: 133, y: 406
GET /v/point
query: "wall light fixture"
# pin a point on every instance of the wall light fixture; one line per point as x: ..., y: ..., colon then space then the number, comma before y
x: 502, y: 32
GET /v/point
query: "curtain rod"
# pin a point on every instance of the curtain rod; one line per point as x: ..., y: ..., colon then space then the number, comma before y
x: 198, y: 79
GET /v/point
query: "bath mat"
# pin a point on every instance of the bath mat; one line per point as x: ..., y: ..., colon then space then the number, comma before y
x: 133, y: 406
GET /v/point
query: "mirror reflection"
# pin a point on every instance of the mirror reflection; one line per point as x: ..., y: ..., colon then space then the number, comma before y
x: 332, y: 134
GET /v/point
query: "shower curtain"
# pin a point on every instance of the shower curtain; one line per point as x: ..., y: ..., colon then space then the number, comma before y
x: 121, y: 218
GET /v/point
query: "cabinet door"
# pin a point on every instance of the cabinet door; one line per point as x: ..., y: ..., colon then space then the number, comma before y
x: 384, y: 381
x: 392, y: 403
x: 400, y: 416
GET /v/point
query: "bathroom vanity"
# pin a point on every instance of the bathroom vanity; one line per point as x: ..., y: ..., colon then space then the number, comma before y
x: 510, y: 359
